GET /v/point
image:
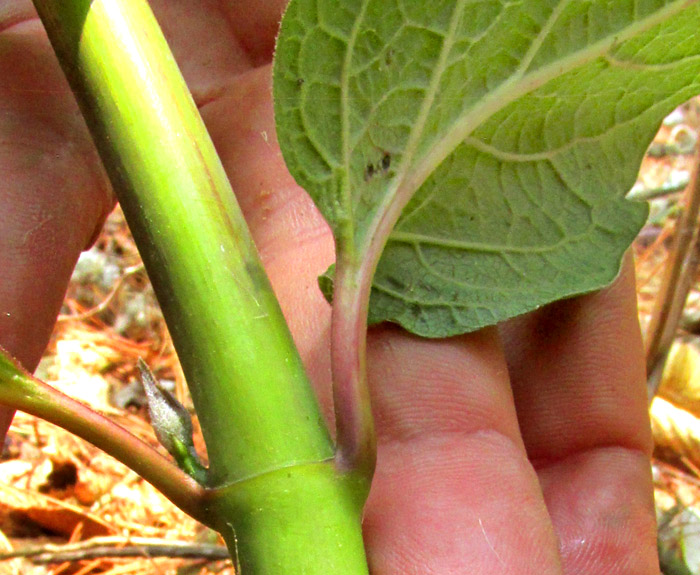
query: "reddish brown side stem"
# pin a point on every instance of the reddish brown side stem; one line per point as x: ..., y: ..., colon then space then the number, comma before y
x: 20, y: 390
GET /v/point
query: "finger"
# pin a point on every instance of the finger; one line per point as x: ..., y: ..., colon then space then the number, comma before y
x: 204, y: 43
x: 578, y: 380
x: 53, y: 195
x: 454, y: 492
x: 255, y: 24
x: 39, y: 114
x: 55, y: 191
x: 215, y: 40
x: 248, y: 29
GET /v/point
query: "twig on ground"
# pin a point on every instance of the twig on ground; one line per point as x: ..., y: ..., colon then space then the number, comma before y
x: 104, y: 304
x: 646, y: 194
x: 110, y: 547
x: 678, y: 278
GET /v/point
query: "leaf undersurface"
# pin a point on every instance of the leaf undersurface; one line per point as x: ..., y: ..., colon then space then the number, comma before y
x: 506, y: 134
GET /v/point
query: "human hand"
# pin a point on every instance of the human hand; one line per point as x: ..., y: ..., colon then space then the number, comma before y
x: 523, y: 450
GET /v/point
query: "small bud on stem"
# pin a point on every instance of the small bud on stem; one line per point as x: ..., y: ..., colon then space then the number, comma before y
x: 172, y: 424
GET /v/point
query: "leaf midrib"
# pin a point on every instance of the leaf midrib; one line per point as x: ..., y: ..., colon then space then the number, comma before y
x: 347, y: 231
x: 519, y: 85
x: 411, y: 176
x: 416, y: 238
x: 429, y: 99
x: 384, y: 220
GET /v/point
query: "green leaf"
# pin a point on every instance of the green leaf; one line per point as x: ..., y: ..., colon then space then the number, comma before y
x: 505, y: 133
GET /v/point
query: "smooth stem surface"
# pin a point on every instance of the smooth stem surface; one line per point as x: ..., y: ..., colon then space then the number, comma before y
x: 22, y: 391
x: 297, y: 521
x: 255, y: 404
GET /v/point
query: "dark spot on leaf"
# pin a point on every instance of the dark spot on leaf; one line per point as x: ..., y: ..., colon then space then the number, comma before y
x: 389, y: 57
x: 386, y: 162
x: 380, y: 168
x: 300, y: 82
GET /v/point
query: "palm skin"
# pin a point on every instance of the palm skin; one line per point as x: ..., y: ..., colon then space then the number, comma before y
x: 517, y: 451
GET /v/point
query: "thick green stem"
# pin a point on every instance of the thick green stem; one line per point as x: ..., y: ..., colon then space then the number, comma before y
x: 257, y: 410
x: 246, y: 378
x: 248, y: 385
x: 296, y: 521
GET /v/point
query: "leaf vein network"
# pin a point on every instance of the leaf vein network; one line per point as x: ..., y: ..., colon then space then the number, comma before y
x: 520, y: 84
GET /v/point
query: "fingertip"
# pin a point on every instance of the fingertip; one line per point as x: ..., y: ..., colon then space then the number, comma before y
x: 256, y: 25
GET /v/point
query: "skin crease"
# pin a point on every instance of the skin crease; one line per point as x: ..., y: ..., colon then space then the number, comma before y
x: 512, y: 451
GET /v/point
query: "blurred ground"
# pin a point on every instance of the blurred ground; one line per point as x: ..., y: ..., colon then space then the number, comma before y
x: 57, y: 489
